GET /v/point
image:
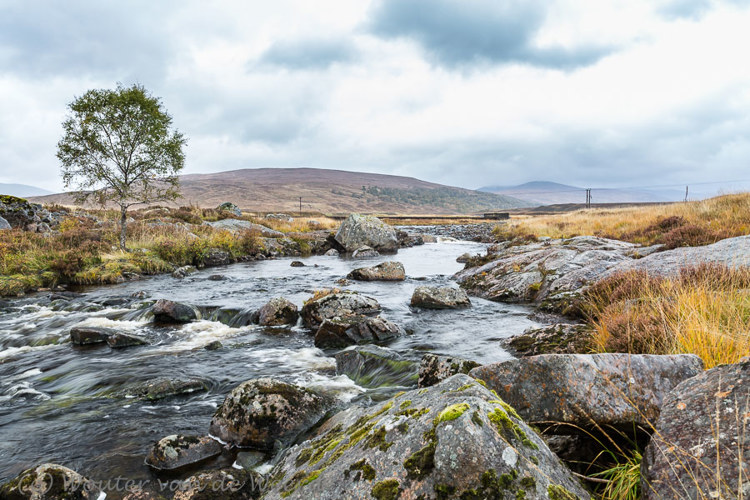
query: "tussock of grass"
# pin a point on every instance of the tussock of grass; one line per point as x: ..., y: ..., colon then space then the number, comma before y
x: 674, y: 225
x: 705, y: 311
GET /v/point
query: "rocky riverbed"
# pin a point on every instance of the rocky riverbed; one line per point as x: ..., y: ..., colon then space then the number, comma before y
x: 338, y: 377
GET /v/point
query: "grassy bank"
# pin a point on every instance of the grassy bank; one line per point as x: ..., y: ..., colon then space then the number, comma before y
x: 673, y: 225
x: 84, y: 249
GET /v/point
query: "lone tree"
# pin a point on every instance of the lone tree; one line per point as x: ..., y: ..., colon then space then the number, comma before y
x: 118, y: 147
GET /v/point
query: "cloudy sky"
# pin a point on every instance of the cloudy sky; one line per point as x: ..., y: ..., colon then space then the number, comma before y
x: 463, y: 92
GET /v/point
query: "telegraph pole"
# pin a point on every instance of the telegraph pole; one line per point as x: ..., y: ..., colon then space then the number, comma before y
x: 588, y: 197
x: 300, y: 206
x: 686, y: 193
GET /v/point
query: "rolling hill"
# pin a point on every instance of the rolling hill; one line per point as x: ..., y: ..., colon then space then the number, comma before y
x: 22, y: 190
x: 549, y: 193
x: 327, y: 191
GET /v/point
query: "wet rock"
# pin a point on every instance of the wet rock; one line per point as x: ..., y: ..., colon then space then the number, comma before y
x: 612, y: 390
x: 248, y: 460
x: 332, y: 253
x: 4, y: 224
x: 230, y: 207
x: 49, y: 482
x: 373, y: 366
x: 365, y: 230
x: 386, y: 271
x: 217, y: 257
x: 443, y: 297
x: 225, y: 484
x: 297, y: 263
x: 169, y: 312
x: 349, y: 330
x: 406, y: 240
x: 119, y: 340
x: 278, y: 311
x: 435, y: 368
x: 260, y: 412
x: 281, y: 247
x: 177, y: 451
x: 84, y: 335
x: 464, y: 258
x: 561, y: 338
x: 138, y: 492
x: 184, y: 271
x: 453, y: 440
x: 701, y: 446
x: 337, y: 304
x: 213, y: 346
x: 217, y: 277
x: 163, y: 387
x: 365, y: 252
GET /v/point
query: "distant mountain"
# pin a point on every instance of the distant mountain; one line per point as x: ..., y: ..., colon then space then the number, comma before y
x: 549, y: 193
x: 328, y: 191
x: 22, y: 190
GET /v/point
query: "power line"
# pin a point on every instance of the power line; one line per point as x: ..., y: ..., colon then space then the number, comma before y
x: 584, y: 190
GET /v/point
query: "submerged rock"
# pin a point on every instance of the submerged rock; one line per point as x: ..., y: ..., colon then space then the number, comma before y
x: 169, y: 312
x: 443, y: 297
x: 581, y: 390
x: 224, y: 484
x: 260, y: 412
x: 365, y: 252
x: 163, y: 387
x: 119, y: 340
x: 435, y: 368
x: 387, y: 271
x: 373, y: 366
x: 365, y: 230
x: 342, y: 332
x: 297, y: 263
x: 701, y: 447
x: 177, y: 451
x: 337, y: 304
x: 278, y: 311
x: 85, y: 335
x: 453, y: 440
x: 184, y: 271
x: 49, y: 482
x: 561, y: 338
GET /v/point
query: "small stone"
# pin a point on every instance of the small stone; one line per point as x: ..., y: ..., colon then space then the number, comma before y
x: 177, y: 451
x: 119, y: 340
x: 297, y: 263
x: 85, y: 335
x: 444, y: 297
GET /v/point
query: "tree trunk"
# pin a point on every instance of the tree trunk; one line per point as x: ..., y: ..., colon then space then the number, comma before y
x: 123, y: 227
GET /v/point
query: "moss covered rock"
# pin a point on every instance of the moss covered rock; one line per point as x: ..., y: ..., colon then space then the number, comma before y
x: 442, y: 297
x: 350, y: 330
x: 177, y: 451
x: 365, y: 230
x: 260, y: 412
x: 49, y: 482
x: 452, y: 440
x: 372, y: 366
x: 278, y: 311
x: 435, y: 368
x: 386, y: 271
x: 337, y: 304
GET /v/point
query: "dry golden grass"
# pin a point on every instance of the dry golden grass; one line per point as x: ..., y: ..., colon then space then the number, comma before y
x: 299, y: 224
x: 704, y: 311
x: 677, y: 224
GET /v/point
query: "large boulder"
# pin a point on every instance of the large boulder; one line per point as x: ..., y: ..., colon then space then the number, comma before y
x: 217, y: 257
x: 701, y: 446
x: 169, y: 312
x: 560, y: 338
x: 349, y: 330
x: 453, y: 440
x: 580, y: 390
x: 85, y: 335
x: 365, y: 230
x: 278, y: 311
x: 374, y: 366
x: 337, y: 304
x: 177, y: 451
x: 435, y: 368
x: 50, y: 482
x: 20, y: 214
x: 439, y: 297
x: 230, y: 207
x: 386, y: 271
x: 260, y: 412
x: 239, y: 225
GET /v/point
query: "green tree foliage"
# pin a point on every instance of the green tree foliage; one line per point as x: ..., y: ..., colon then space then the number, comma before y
x: 118, y: 147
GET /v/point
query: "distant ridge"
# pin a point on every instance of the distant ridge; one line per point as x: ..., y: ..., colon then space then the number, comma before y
x: 328, y: 191
x: 22, y: 190
x: 551, y: 193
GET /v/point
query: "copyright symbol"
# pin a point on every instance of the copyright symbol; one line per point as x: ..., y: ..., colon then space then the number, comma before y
x: 33, y: 483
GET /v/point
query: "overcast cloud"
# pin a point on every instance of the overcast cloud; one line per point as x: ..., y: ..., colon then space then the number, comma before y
x: 462, y: 92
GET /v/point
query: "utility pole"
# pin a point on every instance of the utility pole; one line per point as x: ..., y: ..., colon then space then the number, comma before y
x: 588, y: 197
x: 300, y: 206
x: 686, y: 193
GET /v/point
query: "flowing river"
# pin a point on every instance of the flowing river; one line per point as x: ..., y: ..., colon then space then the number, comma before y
x: 58, y: 402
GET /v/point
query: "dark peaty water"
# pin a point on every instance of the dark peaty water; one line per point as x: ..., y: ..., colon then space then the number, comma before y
x: 56, y: 401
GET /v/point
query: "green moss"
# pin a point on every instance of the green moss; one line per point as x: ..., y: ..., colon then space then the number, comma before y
x: 405, y: 404
x: 557, y: 492
x: 534, y: 460
x: 389, y: 489
x: 311, y: 477
x: 481, y: 382
x: 444, y: 491
x: 528, y: 482
x: 403, y: 427
x: 368, y: 473
x: 509, y: 429
x: 413, y: 412
x: 452, y: 412
x: 477, y: 419
x: 421, y: 463
x: 399, y: 394
x: 464, y: 387
x: 377, y: 440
